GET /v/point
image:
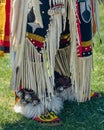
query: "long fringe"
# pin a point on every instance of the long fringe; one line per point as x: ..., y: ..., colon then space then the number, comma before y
x: 18, y: 24
x: 53, y: 35
x: 82, y: 86
x: 16, y: 78
x: 74, y: 36
x: 80, y: 67
x: 62, y: 61
x: 32, y: 72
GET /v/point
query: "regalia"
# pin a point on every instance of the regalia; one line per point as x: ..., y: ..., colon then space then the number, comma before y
x: 51, y: 44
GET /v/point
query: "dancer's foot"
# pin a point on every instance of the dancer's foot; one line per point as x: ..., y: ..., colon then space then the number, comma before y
x: 49, y: 119
x: 95, y: 94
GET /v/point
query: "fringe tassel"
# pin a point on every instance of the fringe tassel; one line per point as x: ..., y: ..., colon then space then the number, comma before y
x: 53, y: 34
x: 80, y: 67
x: 16, y: 76
x: 74, y: 36
x: 83, y: 79
x: 33, y: 72
x: 18, y: 24
x: 62, y: 61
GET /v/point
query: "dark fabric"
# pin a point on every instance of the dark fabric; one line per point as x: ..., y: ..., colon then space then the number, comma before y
x: 86, y: 28
x: 45, y: 18
x: 85, y: 16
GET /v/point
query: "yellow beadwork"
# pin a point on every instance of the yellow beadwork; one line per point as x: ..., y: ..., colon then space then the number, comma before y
x: 35, y: 37
x: 88, y: 43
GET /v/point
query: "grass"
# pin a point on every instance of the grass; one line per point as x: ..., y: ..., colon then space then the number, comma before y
x: 82, y: 116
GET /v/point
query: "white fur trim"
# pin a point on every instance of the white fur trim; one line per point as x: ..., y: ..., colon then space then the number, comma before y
x: 67, y: 94
x: 31, y: 111
x: 55, y: 104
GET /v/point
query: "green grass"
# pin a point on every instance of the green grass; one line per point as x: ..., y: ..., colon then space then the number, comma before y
x: 82, y: 116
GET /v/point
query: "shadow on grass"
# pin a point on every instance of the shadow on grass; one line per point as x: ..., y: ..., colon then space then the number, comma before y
x: 82, y: 116
x: 27, y: 124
